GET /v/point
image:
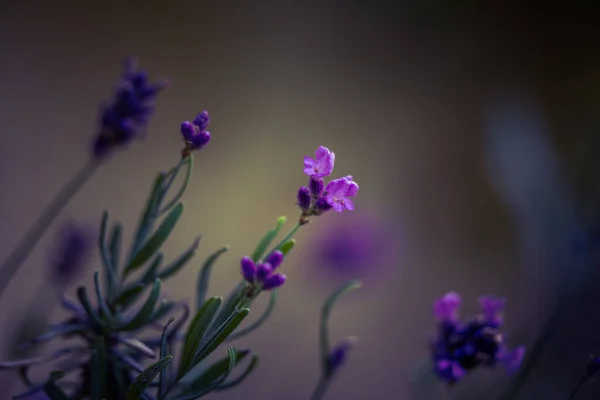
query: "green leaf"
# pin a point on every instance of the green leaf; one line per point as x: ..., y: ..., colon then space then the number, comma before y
x: 129, y: 296
x: 196, y: 332
x: 108, y: 317
x: 152, y: 272
x: 143, y: 380
x: 234, y: 382
x: 164, y: 308
x: 204, y: 275
x: 232, y: 302
x: 156, y: 241
x: 325, y: 314
x: 114, y: 247
x: 111, y: 279
x: 221, y: 334
x: 199, y: 378
x: 180, y: 261
x: 145, y: 313
x: 85, y: 302
x: 256, y: 324
x: 149, y: 215
x: 163, y: 379
x: 287, y: 246
x: 267, y: 239
x: 198, y: 390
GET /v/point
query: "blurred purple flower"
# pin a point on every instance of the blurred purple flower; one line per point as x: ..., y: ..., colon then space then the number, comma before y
x: 126, y: 118
x: 321, y: 165
x: 194, y: 133
x: 339, y: 354
x: 73, y: 250
x: 459, y: 348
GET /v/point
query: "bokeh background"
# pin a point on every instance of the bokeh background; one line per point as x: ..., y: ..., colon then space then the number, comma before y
x: 472, y: 129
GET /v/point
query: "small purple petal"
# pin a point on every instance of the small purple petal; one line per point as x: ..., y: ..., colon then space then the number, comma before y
x: 274, y: 281
x: 275, y: 259
x: 512, y: 359
x: 321, y: 165
x: 264, y: 271
x: 492, y: 307
x: 446, y: 307
x: 248, y: 269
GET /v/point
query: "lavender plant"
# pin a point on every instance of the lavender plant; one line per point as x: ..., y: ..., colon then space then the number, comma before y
x: 107, y: 323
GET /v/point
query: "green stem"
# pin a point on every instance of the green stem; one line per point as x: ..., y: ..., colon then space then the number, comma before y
x: 15, y: 259
x: 285, y: 239
x: 579, y: 385
x: 320, y: 389
x: 189, y: 161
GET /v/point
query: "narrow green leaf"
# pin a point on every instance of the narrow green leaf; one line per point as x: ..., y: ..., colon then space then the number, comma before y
x: 149, y: 215
x: 85, y: 302
x: 111, y: 279
x: 287, y: 246
x: 199, y: 389
x: 232, y: 302
x: 214, y: 372
x: 180, y: 261
x: 145, y: 313
x: 196, y: 332
x: 152, y: 272
x: 164, y: 308
x: 143, y: 380
x: 267, y: 239
x: 204, y: 275
x: 108, y: 317
x: 163, y: 379
x: 129, y: 296
x: 54, y: 392
x: 256, y: 324
x: 325, y: 314
x: 221, y: 334
x: 156, y: 241
x: 189, y: 161
x: 114, y: 246
x: 234, y: 382
x: 286, y: 239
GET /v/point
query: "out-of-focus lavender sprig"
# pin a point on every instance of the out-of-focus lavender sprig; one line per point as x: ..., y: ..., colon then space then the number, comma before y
x: 125, y: 118
x: 332, y: 357
x: 591, y: 370
x: 74, y: 244
x: 462, y: 347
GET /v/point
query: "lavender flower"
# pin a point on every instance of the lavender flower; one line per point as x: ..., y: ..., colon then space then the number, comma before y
x: 262, y: 276
x: 339, y: 354
x: 126, y: 118
x: 72, y: 252
x: 321, y: 165
x: 460, y: 348
x: 317, y: 198
x: 194, y: 133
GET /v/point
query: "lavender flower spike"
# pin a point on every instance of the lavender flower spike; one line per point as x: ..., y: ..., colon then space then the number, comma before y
x: 73, y: 251
x: 446, y: 307
x: 338, y: 191
x: 321, y: 165
x: 194, y: 133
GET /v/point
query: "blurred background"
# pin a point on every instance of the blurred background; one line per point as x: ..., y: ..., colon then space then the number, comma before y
x: 472, y: 129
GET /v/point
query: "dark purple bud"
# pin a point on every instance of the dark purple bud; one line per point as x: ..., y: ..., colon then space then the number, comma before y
x: 304, y: 198
x: 316, y: 186
x: 248, y: 269
x: 264, y: 271
x: 202, y: 120
x: 200, y: 140
x: 274, y: 281
x: 275, y: 259
x: 187, y: 131
x: 339, y: 354
x: 593, y: 366
x: 322, y: 205
x: 73, y: 251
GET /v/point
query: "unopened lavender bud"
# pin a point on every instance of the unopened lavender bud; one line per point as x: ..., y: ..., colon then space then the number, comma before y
x: 202, y: 120
x: 322, y: 205
x: 275, y: 259
x: 339, y: 354
x: 264, y: 271
x: 248, y: 269
x: 304, y: 198
x: 316, y: 186
x: 73, y: 251
x: 274, y: 281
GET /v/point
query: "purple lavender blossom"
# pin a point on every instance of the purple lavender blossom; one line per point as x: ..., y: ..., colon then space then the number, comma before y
x: 194, y: 133
x: 460, y: 348
x: 321, y: 165
x: 72, y: 252
x: 263, y: 275
x: 339, y: 354
x: 126, y: 118
x: 338, y: 191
